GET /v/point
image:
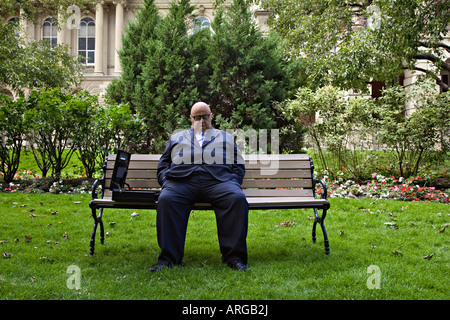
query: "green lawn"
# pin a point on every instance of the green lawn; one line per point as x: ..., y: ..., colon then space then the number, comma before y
x: 285, y: 264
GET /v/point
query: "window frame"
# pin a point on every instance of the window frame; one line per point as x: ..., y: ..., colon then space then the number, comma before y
x: 88, y: 58
x: 52, y: 24
x: 197, y: 27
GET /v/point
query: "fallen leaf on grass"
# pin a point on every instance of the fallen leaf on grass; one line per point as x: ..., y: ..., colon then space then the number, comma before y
x: 428, y: 257
x: 7, y: 255
x: 46, y: 260
x: 286, y: 224
x: 65, y: 236
x: 444, y: 227
x: 134, y: 214
x: 28, y: 238
x: 393, y: 225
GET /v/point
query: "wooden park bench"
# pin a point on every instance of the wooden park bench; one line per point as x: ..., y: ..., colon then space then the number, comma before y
x: 285, y: 183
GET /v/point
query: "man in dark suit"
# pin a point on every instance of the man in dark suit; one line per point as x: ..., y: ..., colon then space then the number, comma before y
x: 201, y: 164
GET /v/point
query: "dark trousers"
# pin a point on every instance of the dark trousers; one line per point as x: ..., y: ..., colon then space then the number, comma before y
x: 176, y: 202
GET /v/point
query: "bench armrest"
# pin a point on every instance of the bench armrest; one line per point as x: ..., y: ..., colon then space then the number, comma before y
x: 95, y: 186
x: 324, y: 186
x: 100, y: 182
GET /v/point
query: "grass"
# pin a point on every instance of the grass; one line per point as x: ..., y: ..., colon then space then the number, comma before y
x: 285, y: 264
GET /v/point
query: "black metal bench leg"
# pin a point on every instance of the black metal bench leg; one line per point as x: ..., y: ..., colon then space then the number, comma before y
x: 320, y: 220
x: 102, y: 230
x: 97, y: 220
x: 325, y: 239
x: 314, y: 231
x: 94, y: 230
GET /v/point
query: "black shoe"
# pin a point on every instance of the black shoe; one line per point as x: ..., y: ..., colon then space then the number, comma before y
x: 238, y: 265
x: 159, y: 267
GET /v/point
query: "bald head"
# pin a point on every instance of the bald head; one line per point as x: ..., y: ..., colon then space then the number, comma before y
x: 201, y: 116
x: 200, y: 108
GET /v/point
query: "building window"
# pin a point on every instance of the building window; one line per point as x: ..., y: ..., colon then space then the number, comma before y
x: 86, y: 40
x: 377, y: 88
x: 201, y: 23
x: 15, y: 22
x: 50, y: 32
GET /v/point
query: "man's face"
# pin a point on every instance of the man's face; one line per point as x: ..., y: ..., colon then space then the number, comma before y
x: 201, y: 117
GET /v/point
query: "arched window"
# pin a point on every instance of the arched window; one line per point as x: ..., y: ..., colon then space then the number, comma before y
x: 86, y: 40
x: 50, y: 32
x: 201, y: 23
x: 15, y: 22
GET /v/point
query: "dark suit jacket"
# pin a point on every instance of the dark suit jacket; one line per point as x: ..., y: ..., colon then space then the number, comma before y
x: 218, y: 155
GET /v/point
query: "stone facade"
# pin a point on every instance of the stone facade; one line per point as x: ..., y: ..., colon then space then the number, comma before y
x: 98, y: 35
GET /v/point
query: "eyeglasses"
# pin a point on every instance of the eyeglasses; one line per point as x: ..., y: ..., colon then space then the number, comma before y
x: 202, y: 116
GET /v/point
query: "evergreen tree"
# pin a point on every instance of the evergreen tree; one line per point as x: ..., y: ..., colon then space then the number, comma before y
x: 249, y: 72
x: 138, y: 34
x: 164, y: 85
x: 158, y: 79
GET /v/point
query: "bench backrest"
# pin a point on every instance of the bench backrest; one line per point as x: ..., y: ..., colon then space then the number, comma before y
x: 287, y: 175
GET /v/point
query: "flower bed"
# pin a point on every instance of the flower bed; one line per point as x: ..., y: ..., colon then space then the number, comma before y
x: 381, y: 187
x: 38, y: 185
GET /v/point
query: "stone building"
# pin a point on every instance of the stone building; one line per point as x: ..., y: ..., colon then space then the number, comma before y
x: 97, y: 35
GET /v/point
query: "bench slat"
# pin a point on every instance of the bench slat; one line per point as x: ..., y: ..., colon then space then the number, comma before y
x: 277, y: 183
x: 145, y: 184
x: 252, y: 201
x: 280, y: 174
x: 247, y: 157
x: 277, y: 165
x: 278, y: 192
x: 259, y: 183
x: 258, y: 201
x: 249, y: 174
x: 273, y: 166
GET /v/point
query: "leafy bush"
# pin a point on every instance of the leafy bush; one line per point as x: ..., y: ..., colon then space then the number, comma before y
x: 57, y: 124
x: 418, y: 138
x: 12, y: 131
x: 342, y: 130
x: 348, y: 130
